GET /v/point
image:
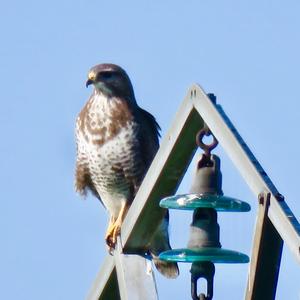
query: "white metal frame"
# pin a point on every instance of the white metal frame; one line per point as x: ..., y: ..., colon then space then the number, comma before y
x: 164, y: 176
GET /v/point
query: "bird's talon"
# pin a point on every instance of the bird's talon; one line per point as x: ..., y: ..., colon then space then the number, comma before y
x: 111, y: 237
x: 110, y: 250
x: 110, y: 243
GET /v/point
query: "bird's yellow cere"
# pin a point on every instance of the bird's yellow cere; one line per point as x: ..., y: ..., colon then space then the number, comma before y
x: 92, y: 75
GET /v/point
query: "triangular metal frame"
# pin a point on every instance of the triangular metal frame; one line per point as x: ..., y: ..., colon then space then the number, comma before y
x: 275, y: 223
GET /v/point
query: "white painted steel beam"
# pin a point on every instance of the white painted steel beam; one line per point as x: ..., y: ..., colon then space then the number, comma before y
x: 135, y: 276
x: 105, y: 285
x: 266, y: 255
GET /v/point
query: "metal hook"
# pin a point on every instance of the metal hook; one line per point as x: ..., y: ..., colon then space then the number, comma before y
x: 199, y: 140
x: 204, y: 270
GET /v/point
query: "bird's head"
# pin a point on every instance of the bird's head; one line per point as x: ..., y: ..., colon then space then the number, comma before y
x: 110, y: 80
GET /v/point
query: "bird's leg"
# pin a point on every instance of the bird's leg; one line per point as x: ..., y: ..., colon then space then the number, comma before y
x: 110, y: 227
x: 115, y: 226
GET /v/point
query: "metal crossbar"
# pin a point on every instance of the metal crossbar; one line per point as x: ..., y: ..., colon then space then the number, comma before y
x: 277, y: 222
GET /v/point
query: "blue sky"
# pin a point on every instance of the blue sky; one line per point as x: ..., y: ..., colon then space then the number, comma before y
x: 246, y: 52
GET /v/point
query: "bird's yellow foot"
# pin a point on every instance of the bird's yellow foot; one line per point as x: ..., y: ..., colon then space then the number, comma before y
x: 111, y: 235
x: 114, y: 227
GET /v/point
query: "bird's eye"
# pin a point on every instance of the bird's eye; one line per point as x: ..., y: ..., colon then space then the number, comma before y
x: 106, y: 75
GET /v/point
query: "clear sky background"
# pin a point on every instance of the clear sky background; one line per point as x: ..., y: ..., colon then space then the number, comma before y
x: 246, y: 52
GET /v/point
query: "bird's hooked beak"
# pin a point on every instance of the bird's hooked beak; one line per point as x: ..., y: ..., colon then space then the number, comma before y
x: 91, y: 79
x: 89, y: 82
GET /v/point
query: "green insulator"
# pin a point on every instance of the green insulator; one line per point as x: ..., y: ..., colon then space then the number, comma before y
x: 206, y: 190
x: 193, y: 201
x: 212, y: 254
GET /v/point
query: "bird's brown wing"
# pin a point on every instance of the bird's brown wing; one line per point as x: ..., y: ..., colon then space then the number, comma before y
x: 83, y: 180
x: 142, y: 151
x: 149, y: 136
x: 149, y: 140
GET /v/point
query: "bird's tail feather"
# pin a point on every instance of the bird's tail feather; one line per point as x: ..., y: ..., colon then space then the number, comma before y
x: 168, y: 269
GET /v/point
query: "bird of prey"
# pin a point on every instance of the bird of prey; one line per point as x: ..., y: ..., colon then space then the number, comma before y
x: 116, y: 143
